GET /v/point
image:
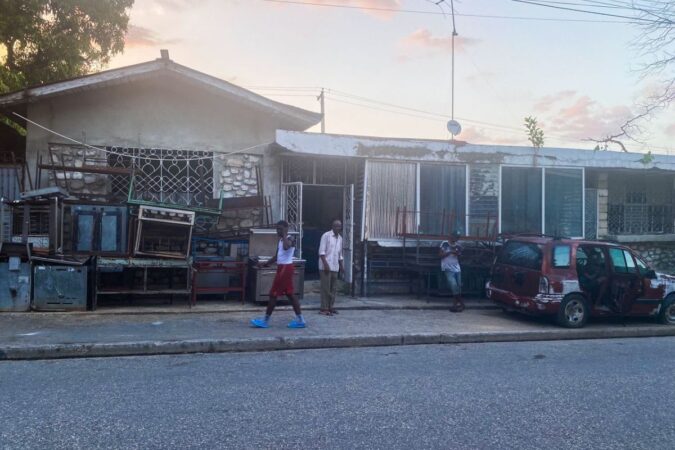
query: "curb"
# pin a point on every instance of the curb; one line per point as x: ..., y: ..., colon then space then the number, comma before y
x: 252, y: 309
x: 147, y: 348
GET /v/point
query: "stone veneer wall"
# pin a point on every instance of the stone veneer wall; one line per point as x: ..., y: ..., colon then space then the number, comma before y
x: 76, y: 182
x: 659, y: 255
x: 238, y: 178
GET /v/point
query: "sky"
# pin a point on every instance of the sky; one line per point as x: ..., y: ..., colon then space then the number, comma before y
x: 387, y: 72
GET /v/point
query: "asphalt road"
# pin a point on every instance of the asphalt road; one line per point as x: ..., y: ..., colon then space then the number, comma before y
x: 573, y: 394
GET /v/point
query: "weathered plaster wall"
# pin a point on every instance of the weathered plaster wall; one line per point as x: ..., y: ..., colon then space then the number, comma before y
x: 158, y: 112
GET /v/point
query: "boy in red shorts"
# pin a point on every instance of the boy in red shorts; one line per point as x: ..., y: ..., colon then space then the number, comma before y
x: 283, y: 280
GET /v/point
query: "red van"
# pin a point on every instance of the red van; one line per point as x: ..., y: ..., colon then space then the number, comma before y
x: 574, y: 280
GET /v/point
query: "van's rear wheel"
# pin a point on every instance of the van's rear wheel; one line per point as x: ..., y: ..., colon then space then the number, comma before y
x: 573, y: 312
x: 667, y: 314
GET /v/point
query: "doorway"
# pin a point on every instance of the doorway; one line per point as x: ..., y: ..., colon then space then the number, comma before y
x: 321, y: 205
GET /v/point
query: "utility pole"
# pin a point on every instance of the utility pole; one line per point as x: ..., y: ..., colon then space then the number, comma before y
x: 321, y: 98
x: 452, y: 89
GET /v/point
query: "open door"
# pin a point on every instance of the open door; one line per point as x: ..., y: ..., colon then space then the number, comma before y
x: 626, y: 282
x: 348, y: 230
x: 291, y: 210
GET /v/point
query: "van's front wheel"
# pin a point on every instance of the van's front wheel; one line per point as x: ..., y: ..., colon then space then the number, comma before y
x: 573, y: 312
x: 667, y: 314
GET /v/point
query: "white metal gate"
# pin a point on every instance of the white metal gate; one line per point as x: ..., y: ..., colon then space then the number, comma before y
x: 291, y: 208
x: 348, y: 230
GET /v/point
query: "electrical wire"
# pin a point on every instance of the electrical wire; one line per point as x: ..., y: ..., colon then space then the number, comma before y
x: 545, y: 5
x: 339, y: 96
x: 412, y: 11
x: 434, y: 117
x: 442, y: 118
x: 105, y: 150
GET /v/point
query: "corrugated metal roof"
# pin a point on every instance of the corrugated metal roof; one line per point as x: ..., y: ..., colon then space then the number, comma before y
x: 139, y: 71
x: 461, y: 152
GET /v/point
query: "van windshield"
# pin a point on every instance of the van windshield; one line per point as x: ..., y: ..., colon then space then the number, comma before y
x: 521, y: 254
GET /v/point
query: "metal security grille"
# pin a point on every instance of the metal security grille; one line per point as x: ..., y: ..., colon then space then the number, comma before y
x: 640, y: 204
x: 322, y: 171
x: 348, y: 230
x: 298, y: 170
x: 177, y: 177
x: 291, y: 208
x: 591, y: 214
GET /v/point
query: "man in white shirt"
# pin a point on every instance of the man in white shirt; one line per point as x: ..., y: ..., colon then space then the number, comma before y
x: 330, y: 266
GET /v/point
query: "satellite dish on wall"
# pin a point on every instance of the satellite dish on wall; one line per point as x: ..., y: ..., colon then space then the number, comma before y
x: 454, y: 127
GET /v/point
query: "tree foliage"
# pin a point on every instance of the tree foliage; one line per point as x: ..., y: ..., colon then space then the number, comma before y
x: 48, y: 40
x: 534, y: 134
x: 655, y: 44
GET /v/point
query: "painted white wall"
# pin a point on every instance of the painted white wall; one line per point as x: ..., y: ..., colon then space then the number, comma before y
x: 162, y: 111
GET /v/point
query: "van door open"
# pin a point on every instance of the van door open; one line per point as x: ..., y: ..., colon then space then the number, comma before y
x: 626, y: 283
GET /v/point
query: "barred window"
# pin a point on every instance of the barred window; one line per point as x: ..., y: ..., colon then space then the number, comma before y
x: 178, y: 177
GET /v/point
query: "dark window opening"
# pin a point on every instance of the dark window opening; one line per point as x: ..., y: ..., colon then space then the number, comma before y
x: 521, y: 200
x: 564, y: 202
x: 521, y: 254
x: 442, y: 199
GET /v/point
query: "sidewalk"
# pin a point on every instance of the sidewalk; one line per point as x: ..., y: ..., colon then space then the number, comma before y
x: 311, y: 302
x: 63, y: 335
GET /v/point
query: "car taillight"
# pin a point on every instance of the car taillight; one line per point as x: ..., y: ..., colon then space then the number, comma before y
x: 543, y: 285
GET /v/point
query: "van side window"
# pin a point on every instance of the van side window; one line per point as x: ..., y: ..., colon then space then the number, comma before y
x: 562, y: 254
x: 521, y: 254
x: 630, y: 262
x: 622, y: 261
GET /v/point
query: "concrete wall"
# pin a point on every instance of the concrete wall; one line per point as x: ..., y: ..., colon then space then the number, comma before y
x: 159, y: 112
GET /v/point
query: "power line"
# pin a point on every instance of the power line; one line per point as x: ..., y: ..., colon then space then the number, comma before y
x: 438, y: 13
x: 545, y: 5
x: 344, y: 97
x: 274, y: 94
x: 405, y: 110
x: 287, y: 88
x: 438, y: 117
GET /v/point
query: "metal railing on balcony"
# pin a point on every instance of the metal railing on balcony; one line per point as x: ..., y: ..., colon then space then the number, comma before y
x: 443, y: 224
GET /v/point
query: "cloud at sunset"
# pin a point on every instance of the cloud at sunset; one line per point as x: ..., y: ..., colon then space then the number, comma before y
x: 163, y: 6
x: 480, y: 135
x: 576, y: 116
x: 144, y: 37
x: 423, y: 42
x: 385, y: 6
x: 546, y: 102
